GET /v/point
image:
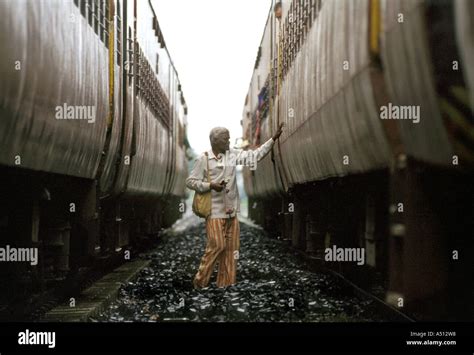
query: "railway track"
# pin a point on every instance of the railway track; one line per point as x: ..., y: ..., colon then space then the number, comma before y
x: 60, y: 291
x: 275, y: 283
x: 392, y: 312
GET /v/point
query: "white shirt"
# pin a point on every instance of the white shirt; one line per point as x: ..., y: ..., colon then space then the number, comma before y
x: 227, y: 202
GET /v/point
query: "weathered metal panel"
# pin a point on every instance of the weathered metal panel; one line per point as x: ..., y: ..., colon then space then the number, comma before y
x: 408, y: 73
x: 110, y: 165
x: 148, y: 168
x: 181, y: 173
x: 332, y: 126
x: 158, y: 165
x: 51, y: 57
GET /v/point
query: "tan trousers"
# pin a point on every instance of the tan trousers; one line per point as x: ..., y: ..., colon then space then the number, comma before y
x: 223, y: 241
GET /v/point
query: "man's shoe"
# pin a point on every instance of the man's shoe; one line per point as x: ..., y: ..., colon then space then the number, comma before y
x: 196, y: 285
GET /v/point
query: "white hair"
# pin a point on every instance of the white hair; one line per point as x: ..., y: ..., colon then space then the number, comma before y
x: 216, y: 132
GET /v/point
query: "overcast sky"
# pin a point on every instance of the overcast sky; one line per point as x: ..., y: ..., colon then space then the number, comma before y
x: 213, y: 44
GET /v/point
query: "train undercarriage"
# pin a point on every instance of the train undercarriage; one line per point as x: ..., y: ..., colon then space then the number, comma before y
x: 72, y: 232
x: 413, y: 221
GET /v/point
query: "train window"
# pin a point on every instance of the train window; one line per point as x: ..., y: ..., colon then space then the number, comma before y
x: 291, y: 32
x: 131, y: 67
x: 304, y: 14
x: 92, y: 13
x: 96, y: 16
x: 157, y: 67
x: 82, y: 6
x: 101, y: 19
x: 76, y: 2
x: 89, y: 11
x: 295, y: 28
x: 119, y: 34
x: 299, y: 19
x: 139, y: 71
x: 299, y: 22
x: 106, y: 23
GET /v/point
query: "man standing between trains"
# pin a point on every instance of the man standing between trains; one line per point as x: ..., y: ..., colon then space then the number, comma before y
x: 222, y: 226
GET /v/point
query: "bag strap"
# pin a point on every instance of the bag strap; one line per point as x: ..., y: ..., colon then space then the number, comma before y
x: 208, y: 174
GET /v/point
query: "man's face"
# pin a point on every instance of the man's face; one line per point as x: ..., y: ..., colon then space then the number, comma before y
x: 222, y: 142
x: 278, y: 12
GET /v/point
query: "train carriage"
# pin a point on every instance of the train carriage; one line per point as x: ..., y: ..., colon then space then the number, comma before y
x: 376, y: 97
x: 93, y: 125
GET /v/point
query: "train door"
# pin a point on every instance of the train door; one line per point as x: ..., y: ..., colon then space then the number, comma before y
x: 172, y: 131
x: 115, y: 230
x: 125, y: 10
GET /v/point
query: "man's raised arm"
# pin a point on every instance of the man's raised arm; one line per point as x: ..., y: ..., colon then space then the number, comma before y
x: 259, y: 153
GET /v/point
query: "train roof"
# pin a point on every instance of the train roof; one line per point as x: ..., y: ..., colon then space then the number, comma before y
x: 166, y: 49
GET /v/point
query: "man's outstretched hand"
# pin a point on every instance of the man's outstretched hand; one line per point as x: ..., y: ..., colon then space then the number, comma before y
x: 278, y: 133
